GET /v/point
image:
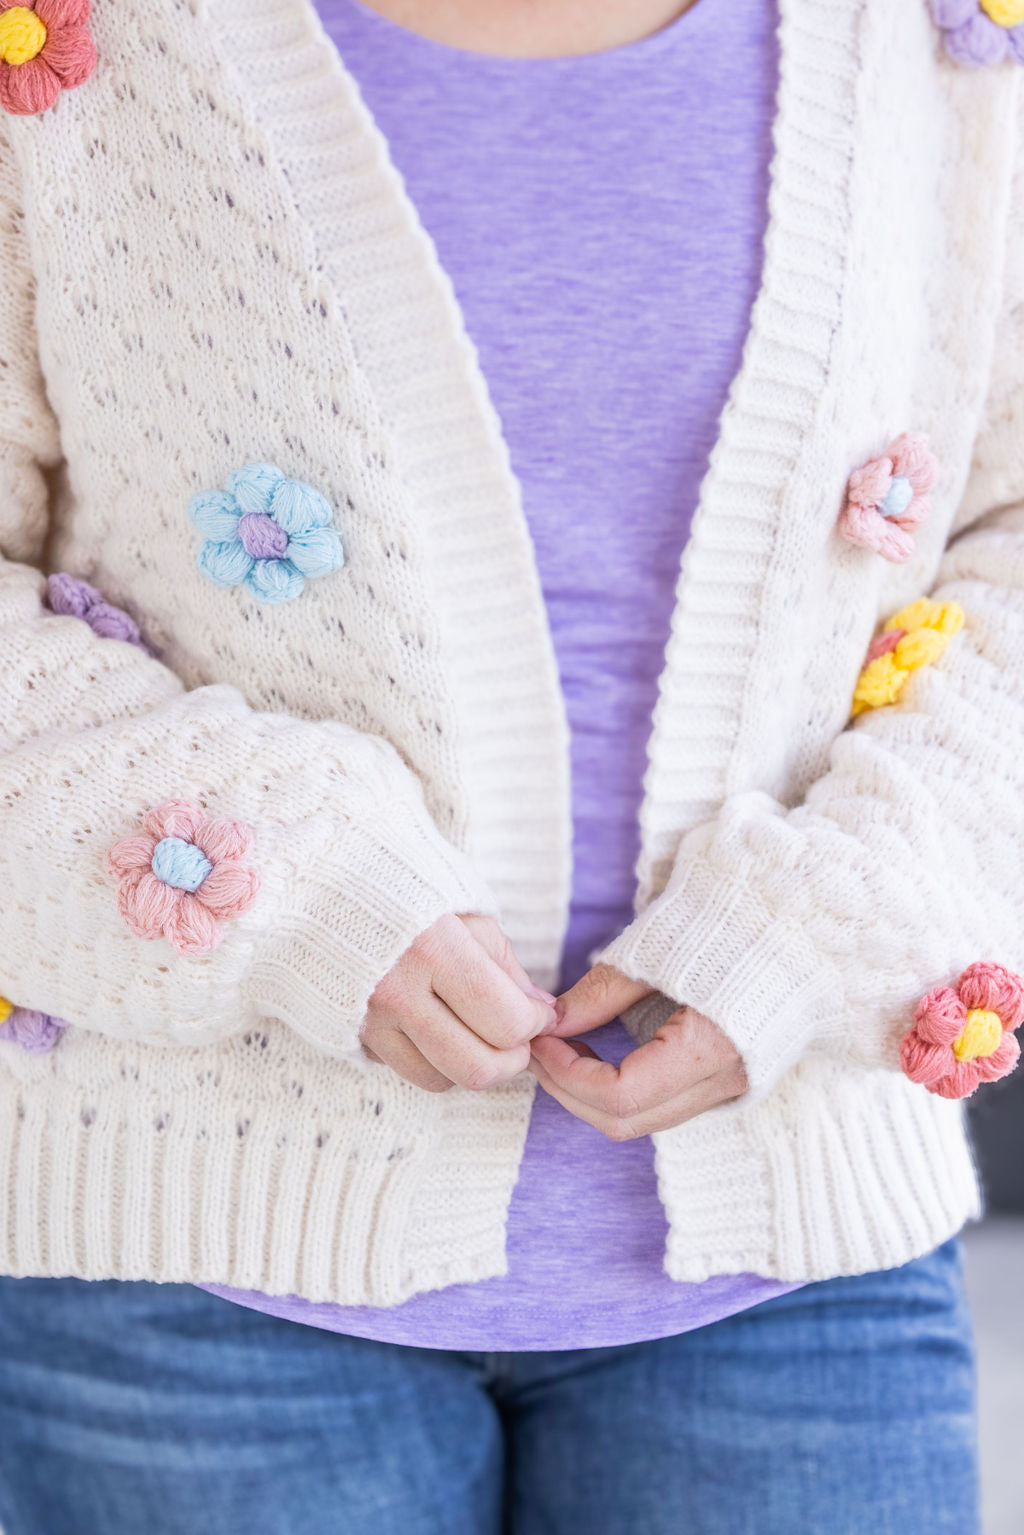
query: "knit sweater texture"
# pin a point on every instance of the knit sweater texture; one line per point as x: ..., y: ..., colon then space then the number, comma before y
x: 210, y: 261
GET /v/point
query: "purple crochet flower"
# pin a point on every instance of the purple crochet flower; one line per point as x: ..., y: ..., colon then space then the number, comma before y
x: 77, y: 599
x: 981, y: 31
x: 34, y: 1032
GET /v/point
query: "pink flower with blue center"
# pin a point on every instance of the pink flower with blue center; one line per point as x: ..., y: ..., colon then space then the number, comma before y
x: 265, y: 532
x: 887, y: 498
x: 981, y: 31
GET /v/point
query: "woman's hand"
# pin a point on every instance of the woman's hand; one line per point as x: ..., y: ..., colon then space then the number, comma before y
x: 687, y: 1067
x: 457, y: 1009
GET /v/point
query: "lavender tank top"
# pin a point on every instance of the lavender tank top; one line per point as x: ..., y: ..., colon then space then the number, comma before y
x: 601, y: 218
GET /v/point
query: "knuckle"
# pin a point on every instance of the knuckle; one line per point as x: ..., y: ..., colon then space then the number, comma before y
x: 510, y: 1033
x: 480, y: 1077
x: 624, y: 1106
x: 621, y: 1130
x: 430, y: 949
x: 604, y: 979
x: 736, y: 1080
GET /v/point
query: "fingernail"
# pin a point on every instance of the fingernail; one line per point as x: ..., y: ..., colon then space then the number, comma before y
x: 541, y: 994
x: 558, y: 1014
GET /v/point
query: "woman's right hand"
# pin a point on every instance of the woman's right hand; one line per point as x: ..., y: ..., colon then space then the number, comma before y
x: 458, y: 1009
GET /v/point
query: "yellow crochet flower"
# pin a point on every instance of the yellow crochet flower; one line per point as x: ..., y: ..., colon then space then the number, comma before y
x: 6, y: 1009
x: 913, y: 637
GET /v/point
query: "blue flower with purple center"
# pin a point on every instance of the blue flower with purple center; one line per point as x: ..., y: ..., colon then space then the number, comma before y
x: 266, y: 533
x: 981, y: 31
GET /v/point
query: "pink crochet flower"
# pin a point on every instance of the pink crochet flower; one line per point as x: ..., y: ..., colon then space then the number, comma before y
x: 45, y: 48
x: 887, y: 498
x: 183, y: 877
x: 981, y: 31
x: 963, y: 1034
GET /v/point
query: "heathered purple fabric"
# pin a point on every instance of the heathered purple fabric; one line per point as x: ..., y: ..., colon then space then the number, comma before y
x: 602, y: 220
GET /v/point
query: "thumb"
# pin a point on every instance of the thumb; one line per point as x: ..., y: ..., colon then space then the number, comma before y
x: 598, y: 997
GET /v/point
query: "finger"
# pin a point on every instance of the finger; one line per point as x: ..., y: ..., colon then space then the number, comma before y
x: 598, y: 997
x: 459, y: 1053
x: 394, y: 1050
x: 482, y: 995
x: 704, y: 1095
x: 499, y: 946
x: 650, y: 1075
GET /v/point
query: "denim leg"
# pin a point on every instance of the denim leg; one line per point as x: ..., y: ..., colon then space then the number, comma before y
x: 843, y: 1408
x: 143, y: 1409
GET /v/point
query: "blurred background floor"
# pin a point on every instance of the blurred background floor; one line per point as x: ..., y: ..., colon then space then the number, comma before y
x: 995, y: 1284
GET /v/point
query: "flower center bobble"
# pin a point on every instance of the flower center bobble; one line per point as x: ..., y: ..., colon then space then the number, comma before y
x: 22, y: 35
x: 261, y: 536
x: 899, y: 497
x: 180, y: 863
x: 1005, y: 13
x: 980, y: 1035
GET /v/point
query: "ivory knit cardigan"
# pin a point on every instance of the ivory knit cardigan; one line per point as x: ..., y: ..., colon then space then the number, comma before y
x: 208, y: 261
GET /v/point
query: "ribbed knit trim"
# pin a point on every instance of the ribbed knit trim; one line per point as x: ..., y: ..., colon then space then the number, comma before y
x: 446, y: 439
x: 753, y: 475
x: 252, y: 1164
x: 345, y: 1194
x: 330, y: 945
x: 713, y: 944
x: 840, y: 1173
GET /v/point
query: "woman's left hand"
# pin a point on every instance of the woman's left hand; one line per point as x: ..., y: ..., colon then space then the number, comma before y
x: 688, y: 1066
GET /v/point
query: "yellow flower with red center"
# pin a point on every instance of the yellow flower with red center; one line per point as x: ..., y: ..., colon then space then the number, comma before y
x: 914, y: 637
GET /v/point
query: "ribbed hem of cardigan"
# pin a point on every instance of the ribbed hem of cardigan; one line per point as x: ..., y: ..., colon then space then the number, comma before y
x: 258, y: 1164
x: 711, y: 943
x: 841, y: 1172
x: 357, y: 895
x: 208, y: 1166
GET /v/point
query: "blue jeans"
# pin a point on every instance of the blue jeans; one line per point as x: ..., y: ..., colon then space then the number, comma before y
x: 844, y: 1408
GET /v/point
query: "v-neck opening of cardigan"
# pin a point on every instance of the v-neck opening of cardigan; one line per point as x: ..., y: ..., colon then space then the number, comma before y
x: 693, y: 725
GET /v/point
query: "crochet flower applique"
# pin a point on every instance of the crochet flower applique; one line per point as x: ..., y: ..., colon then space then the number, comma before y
x: 72, y: 598
x: 963, y: 1034
x: 266, y: 533
x: 183, y: 876
x: 914, y: 637
x: 887, y: 498
x: 34, y: 1032
x: 45, y: 48
x: 981, y: 31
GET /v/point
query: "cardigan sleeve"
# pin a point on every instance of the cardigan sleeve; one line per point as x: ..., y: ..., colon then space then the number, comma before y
x: 94, y: 734
x: 819, y: 927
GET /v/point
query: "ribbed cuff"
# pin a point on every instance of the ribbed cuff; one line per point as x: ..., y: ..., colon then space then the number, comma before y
x: 710, y: 943
x: 354, y: 896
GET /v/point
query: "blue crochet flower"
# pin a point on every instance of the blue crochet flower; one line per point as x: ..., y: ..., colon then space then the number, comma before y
x: 265, y: 532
